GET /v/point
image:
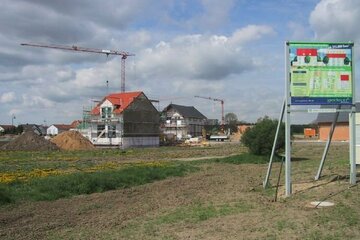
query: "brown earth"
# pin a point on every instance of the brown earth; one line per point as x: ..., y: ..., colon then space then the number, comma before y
x: 30, y: 141
x: 72, y: 140
x: 235, y: 137
x: 174, y: 208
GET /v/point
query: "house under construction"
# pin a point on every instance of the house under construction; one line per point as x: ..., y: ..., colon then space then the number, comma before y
x: 182, y: 121
x: 125, y: 120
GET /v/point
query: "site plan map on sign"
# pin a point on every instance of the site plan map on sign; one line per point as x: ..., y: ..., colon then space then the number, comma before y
x: 320, y: 73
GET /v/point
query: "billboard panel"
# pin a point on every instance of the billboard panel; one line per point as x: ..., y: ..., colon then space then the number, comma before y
x: 320, y: 73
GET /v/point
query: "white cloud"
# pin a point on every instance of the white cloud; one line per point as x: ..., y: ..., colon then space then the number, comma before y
x: 36, y: 101
x: 199, y: 56
x: 7, y: 97
x: 96, y: 76
x: 138, y: 39
x: 250, y: 33
x: 336, y: 20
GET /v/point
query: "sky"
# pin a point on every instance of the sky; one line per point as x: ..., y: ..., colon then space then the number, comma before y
x: 230, y: 49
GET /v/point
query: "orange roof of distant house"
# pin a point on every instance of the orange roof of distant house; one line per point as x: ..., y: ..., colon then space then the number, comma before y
x: 123, y: 100
x: 62, y: 126
x: 75, y: 123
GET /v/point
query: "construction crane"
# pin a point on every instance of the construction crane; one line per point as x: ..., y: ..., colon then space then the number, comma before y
x: 222, y: 107
x: 123, y: 55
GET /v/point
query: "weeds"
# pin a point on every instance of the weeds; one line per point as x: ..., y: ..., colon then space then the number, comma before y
x: 55, y: 187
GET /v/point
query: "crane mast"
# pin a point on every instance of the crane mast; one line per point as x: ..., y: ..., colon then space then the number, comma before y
x: 107, y: 52
x: 222, y: 107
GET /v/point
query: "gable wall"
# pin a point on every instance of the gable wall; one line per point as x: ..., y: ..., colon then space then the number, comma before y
x: 141, y: 118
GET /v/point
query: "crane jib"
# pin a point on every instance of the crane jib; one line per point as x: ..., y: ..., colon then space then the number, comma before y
x: 90, y: 50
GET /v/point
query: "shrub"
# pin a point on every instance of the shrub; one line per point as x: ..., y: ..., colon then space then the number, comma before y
x: 260, y: 138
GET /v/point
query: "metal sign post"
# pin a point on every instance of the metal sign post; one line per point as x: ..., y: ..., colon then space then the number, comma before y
x: 352, y: 122
x: 288, y: 186
x: 352, y: 146
x: 266, y: 181
x: 332, y: 130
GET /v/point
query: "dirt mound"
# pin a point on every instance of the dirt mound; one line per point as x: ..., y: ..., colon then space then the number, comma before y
x: 235, y: 137
x: 72, y: 140
x: 30, y: 141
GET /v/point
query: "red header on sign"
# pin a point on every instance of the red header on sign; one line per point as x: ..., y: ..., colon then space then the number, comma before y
x: 306, y: 52
x: 344, y: 77
x: 336, y: 55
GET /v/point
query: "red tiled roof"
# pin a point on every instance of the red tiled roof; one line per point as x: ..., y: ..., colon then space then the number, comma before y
x: 75, y: 123
x: 121, y: 99
x: 62, y: 126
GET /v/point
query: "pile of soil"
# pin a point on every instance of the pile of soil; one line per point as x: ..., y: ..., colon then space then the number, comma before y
x: 72, y: 140
x: 30, y: 141
x: 235, y: 137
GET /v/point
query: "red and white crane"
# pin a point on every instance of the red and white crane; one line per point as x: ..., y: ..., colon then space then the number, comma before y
x: 222, y: 107
x: 123, y: 54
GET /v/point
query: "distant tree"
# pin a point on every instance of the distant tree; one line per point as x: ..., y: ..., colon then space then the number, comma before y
x: 231, y: 121
x: 231, y: 118
x: 259, y: 139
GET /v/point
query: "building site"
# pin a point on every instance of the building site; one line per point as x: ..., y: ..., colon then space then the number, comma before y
x: 175, y: 120
x: 130, y: 119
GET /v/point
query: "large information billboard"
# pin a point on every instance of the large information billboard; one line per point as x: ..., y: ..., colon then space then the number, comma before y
x: 320, y: 73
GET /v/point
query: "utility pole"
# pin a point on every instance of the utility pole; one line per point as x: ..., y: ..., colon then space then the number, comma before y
x: 12, y: 119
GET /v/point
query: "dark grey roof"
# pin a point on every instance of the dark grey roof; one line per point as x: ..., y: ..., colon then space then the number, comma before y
x: 186, y: 111
x: 38, y: 129
x: 329, y: 117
